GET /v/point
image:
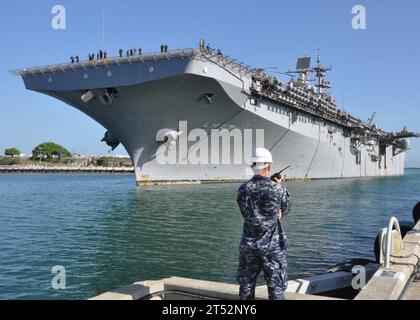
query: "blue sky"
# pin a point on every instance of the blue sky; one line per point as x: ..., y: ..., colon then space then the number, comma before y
x: 374, y: 69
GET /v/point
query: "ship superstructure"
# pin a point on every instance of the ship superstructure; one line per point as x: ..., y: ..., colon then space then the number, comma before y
x: 186, y: 115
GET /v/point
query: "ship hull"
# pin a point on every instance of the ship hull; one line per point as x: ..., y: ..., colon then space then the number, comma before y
x: 176, y: 101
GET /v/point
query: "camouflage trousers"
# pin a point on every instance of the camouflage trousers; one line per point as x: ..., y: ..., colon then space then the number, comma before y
x: 274, y: 265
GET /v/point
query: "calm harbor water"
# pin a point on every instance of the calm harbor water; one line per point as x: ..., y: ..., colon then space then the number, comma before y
x: 107, y: 233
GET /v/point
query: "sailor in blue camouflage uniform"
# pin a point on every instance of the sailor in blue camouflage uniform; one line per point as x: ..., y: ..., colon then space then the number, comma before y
x: 263, y: 204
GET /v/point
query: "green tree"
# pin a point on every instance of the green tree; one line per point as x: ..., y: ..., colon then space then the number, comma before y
x: 104, y: 162
x: 48, y: 151
x: 12, y: 152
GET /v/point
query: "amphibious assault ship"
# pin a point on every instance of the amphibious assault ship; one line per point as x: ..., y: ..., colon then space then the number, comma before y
x: 194, y: 115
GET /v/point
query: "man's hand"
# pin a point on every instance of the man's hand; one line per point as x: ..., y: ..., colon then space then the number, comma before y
x: 280, y: 215
x: 278, y: 180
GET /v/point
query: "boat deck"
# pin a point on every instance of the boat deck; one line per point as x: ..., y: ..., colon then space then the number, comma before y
x: 187, y: 53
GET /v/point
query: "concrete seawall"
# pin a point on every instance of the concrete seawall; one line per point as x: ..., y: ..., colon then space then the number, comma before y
x: 64, y: 170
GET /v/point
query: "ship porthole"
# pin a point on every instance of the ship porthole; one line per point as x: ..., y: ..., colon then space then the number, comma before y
x: 50, y: 80
x: 85, y: 76
x: 109, y: 74
x: 151, y: 69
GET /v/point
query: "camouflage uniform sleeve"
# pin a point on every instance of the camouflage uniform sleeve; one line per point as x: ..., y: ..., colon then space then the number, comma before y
x: 270, y: 201
x: 285, y: 201
x: 284, y: 196
x: 241, y: 199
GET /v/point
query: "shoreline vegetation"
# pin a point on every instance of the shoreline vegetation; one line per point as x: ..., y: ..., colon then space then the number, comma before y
x: 84, y: 162
x: 49, y: 157
x: 65, y: 170
x: 66, y: 165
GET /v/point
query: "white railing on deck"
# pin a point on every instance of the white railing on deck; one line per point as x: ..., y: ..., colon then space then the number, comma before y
x: 212, y: 54
x: 63, y: 67
x: 389, y: 248
x: 230, y: 63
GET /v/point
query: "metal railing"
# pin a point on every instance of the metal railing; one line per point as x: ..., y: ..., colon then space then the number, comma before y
x: 84, y: 65
x: 211, y: 54
x: 388, y: 250
x: 229, y: 63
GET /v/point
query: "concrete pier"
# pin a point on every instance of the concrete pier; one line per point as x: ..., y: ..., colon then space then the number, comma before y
x: 189, y: 289
x: 395, y: 283
x: 413, y: 291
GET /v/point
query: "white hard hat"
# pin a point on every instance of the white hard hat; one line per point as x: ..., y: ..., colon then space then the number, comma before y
x: 262, y: 155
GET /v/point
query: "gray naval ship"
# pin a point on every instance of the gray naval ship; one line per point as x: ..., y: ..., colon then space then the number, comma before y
x: 196, y: 107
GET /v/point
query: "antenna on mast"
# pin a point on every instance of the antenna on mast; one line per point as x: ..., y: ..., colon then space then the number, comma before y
x: 320, y: 75
x: 103, y: 30
x: 303, y: 70
x: 372, y: 120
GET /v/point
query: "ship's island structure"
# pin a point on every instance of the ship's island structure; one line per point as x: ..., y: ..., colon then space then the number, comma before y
x: 152, y: 102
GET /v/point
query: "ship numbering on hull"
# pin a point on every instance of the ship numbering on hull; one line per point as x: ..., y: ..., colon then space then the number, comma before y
x: 194, y: 115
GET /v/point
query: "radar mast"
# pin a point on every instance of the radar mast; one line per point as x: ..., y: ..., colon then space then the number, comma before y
x: 304, y: 70
x: 320, y: 71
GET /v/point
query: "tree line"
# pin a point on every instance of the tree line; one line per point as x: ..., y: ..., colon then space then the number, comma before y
x: 47, y: 151
x: 50, y: 152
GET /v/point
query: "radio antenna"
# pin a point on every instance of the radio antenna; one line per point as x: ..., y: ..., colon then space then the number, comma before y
x: 103, y: 30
